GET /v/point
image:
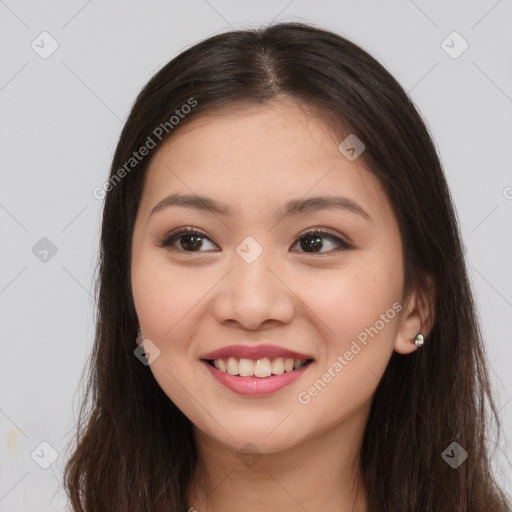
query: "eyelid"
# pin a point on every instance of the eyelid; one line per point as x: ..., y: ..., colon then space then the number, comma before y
x: 323, y: 230
x: 185, y: 229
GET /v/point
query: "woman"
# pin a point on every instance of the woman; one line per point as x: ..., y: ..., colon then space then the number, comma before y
x: 284, y: 315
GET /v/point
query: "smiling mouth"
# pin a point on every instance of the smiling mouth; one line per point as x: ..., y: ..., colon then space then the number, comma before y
x: 261, y: 368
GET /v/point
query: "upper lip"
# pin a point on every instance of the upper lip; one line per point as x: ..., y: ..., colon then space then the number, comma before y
x: 242, y: 351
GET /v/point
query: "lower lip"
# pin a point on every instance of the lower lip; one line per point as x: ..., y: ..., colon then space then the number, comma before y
x: 256, y: 386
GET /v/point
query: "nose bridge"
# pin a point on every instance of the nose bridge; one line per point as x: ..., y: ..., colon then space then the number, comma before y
x: 251, y: 261
x: 252, y: 293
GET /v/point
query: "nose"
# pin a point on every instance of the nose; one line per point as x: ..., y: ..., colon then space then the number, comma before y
x: 254, y: 295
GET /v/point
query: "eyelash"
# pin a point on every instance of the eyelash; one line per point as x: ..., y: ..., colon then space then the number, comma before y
x: 170, y: 238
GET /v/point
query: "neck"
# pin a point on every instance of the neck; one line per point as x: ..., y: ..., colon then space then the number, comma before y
x: 321, y: 473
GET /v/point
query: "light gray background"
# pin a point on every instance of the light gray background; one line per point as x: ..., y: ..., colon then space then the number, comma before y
x: 60, y: 121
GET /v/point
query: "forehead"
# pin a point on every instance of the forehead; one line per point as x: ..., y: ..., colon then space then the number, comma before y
x: 250, y: 156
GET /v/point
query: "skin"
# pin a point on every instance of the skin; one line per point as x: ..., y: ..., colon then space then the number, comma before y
x: 254, y: 159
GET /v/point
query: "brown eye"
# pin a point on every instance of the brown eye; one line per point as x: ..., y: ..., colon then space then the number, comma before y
x: 312, y: 241
x: 190, y: 240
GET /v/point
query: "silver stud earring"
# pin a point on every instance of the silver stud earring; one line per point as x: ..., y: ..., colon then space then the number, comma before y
x: 139, y: 335
x: 419, y: 340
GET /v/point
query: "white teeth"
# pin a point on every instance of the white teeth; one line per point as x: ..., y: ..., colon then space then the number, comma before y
x: 246, y: 367
x: 262, y: 368
x: 232, y: 366
x: 278, y: 366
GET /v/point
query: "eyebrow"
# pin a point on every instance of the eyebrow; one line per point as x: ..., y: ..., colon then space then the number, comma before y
x: 291, y: 208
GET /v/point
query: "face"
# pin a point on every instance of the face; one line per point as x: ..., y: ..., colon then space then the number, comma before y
x: 249, y: 275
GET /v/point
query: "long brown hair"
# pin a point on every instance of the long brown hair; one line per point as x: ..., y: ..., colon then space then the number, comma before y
x: 134, y: 449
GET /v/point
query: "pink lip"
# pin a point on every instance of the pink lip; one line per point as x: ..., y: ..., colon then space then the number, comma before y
x: 256, y: 386
x: 242, y: 351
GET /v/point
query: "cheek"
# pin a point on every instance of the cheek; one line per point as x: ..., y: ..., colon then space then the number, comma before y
x: 163, y: 293
x: 357, y: 324
x: 353, y: 298
x: 170, y: 300
x: 165, y: 296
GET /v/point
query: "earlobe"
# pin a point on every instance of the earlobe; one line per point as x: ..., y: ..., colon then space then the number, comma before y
x: 406, y: 346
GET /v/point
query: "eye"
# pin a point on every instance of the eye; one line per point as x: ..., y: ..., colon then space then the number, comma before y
x: 191, y: 240
x: 312, y: 240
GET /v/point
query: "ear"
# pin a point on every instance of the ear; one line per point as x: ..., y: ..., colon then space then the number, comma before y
x: 417, y: 317
x: 138, y: 337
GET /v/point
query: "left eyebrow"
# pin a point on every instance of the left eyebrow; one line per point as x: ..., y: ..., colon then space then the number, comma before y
x: 291, y: 208
x: 316, y: 203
